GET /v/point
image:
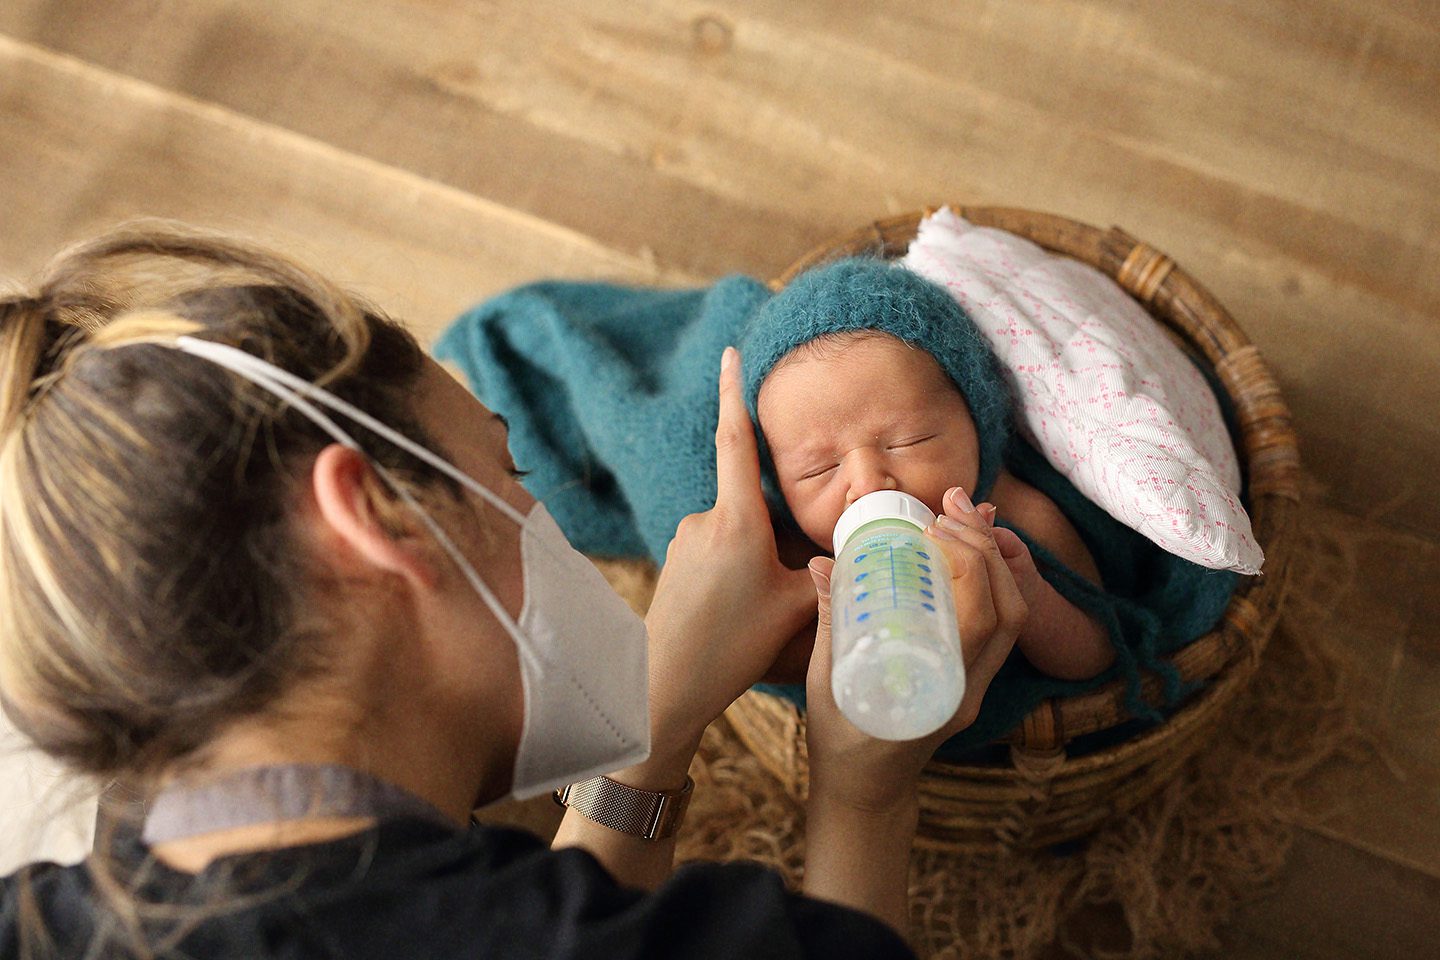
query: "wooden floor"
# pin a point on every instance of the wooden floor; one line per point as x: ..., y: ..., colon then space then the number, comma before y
x: 432, y: 152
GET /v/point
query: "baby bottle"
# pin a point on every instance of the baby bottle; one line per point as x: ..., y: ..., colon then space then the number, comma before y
x: 896, y: 670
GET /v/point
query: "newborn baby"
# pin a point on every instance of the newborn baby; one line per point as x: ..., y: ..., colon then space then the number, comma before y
x: 852, y: 410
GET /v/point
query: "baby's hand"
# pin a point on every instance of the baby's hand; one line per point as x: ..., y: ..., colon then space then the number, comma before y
x: 1016, y: 555
x: 1012, y: 549
x: 1059, y: 639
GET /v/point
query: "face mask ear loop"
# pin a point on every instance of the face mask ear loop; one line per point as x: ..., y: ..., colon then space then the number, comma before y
x: 259, y: 372
x: 234, y: 359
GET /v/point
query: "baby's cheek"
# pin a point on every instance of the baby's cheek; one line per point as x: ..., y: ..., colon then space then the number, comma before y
x: 938, y: 476
x: 814, y: 514
x: 819, y: 525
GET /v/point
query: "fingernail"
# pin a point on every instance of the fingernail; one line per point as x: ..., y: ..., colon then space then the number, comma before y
x: 961, y: 500
x: 821, y: 578
x: 993, y: 511
x: 943, y: 531
x: 727, y: 359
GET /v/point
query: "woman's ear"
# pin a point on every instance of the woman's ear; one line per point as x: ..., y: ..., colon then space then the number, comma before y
x: 346, y: 490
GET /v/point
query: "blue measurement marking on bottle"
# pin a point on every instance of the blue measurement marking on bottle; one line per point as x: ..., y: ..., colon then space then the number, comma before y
x: 894, y: 587
x: 899, y: 575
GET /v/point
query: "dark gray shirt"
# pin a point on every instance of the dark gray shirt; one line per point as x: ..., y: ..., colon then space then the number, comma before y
x: 411, y: 888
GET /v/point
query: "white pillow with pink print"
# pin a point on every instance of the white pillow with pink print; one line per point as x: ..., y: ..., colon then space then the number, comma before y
x: 1103, y: 393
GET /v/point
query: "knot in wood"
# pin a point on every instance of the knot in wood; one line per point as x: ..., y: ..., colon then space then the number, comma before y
x: 711, y: 34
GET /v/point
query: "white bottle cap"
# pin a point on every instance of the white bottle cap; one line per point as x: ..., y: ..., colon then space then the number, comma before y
x: 880, y: 505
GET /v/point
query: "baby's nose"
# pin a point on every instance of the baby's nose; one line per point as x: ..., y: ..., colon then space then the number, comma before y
x: 867, y: 473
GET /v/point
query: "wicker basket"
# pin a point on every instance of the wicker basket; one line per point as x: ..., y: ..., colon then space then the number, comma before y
x: 1043, y: 797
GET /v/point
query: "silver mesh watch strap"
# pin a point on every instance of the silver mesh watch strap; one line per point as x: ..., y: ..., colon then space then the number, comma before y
x: 639, y: 813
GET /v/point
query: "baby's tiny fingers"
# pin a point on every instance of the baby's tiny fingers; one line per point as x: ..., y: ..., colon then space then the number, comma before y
x: 975, y: 533
x: 948, y: 528
x: 959, y: 509
x: 1010, y: 544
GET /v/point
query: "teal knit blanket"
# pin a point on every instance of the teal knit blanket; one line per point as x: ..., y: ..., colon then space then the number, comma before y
x: 610, y: 393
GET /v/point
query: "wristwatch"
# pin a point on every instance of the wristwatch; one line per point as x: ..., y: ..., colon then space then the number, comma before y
x: 638, y: 813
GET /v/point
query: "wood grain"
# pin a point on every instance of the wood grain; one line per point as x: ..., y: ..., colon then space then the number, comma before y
x: 99, y: 148
x: 1335, y: 902
x: 1283, y: 153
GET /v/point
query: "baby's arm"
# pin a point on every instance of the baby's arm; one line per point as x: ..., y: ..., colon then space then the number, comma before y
x: 1059, y: 638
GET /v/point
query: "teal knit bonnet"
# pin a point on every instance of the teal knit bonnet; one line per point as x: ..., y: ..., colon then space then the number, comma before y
x: 871, y: 294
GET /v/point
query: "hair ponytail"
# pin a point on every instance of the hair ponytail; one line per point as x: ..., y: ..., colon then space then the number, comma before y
x: 27, y: 339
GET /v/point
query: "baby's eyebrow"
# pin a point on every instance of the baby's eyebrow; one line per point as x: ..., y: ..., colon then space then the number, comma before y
x: 801, y: 452
x: 803, y: 466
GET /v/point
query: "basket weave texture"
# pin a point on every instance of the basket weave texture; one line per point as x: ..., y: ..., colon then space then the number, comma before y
x: 1043, y: 796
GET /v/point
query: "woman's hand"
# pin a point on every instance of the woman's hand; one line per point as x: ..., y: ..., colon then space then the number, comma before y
x: 854, y: 769
x: 723, y: 609
x: 725, y: 606
x: 864, y: 807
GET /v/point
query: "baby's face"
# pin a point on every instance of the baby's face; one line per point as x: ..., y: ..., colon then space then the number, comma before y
x: 871, y: 414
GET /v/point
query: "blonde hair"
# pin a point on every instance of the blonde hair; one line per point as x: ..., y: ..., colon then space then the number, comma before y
x: 147, y: 569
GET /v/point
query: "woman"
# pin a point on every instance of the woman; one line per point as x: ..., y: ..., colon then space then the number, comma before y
x: 317, y: 627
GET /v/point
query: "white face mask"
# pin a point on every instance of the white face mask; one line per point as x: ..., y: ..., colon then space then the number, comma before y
x: 582, y: 651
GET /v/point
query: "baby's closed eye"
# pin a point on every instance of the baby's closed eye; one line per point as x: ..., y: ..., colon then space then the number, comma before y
x: 910, y: 441
x: 818, y: 471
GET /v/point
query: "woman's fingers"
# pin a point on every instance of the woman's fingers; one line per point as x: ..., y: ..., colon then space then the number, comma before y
x: 820, y: 570
x: 988, y: 603
x: 737, y: 459
x: 957, y: 505
x: 970, y: 585
x: 998, y: 546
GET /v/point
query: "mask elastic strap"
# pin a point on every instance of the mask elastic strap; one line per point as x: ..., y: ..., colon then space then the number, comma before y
x: 271, y: 378
x: 234, y: 359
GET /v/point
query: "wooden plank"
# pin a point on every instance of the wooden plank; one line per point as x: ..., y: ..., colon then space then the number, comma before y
x: 1284, y: 157
x: 86, y: 148
x: 395, y: 81
x: 1334, y: 902
x: 789, y: 107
